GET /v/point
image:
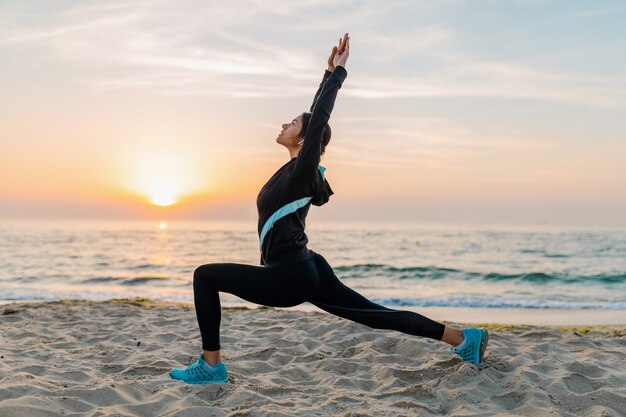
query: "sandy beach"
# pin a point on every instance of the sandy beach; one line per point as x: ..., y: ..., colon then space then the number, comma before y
x: 86, y: 358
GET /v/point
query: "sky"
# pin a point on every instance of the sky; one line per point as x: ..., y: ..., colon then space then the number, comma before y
x: 452, y: 111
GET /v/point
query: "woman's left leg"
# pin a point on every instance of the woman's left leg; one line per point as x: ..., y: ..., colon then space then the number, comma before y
x: 284, y: 286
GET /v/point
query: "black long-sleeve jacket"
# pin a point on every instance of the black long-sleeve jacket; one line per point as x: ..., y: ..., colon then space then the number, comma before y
x: 284, y: 201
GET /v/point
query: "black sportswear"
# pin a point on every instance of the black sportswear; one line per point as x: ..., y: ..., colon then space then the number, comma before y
x: 294, y: 274
x: 312, y: 280
x: 285, y: 242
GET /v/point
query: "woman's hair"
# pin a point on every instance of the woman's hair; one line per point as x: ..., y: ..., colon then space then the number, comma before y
x: 306, y: 118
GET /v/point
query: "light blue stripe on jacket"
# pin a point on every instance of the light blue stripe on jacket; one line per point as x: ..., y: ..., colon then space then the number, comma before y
x: 285, y: 210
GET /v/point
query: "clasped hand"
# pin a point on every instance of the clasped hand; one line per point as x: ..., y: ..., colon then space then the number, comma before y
x: 339, y: 54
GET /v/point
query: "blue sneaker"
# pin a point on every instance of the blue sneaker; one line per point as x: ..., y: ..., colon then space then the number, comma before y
x: 473, y: 346
x: 201, y: 373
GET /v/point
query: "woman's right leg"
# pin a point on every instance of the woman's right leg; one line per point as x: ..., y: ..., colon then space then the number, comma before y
x: 277, y: 287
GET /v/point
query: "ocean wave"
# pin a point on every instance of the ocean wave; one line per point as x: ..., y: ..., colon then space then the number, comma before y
x: 100, y: 279
x: 431, y: 272
x: 356, y: 271
x: 144, y: 279
x: 541, y: 277
x: 501, y: 302
x: 145, y: 266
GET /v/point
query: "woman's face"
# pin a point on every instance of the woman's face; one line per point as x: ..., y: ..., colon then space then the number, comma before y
x: 289, y: 135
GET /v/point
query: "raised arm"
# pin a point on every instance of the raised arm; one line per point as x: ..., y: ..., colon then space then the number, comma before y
x: 328, y: 71
x: 309, y: 155
x: 319, y: 89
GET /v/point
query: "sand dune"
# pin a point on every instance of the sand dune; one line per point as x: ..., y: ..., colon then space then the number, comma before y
x: 81, y: 358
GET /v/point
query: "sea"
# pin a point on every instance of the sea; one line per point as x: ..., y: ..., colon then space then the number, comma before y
x: 538, y: 267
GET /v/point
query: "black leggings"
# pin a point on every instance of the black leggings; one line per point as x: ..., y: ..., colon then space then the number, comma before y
x: 312, y: 280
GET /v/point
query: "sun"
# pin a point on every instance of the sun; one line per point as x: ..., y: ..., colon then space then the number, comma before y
x: 163, y: 200
x: 164, y: 173
x: 162, y: 190
x: 161, y: 177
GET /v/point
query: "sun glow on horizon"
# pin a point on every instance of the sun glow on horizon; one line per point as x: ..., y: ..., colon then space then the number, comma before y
x: 162, y: 176
x: 163, y: 200
x: 161, y: 189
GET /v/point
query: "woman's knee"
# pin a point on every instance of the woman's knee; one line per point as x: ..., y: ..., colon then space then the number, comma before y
x: 202, y: 274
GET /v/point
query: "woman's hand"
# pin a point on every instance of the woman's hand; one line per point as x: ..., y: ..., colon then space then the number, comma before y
x: 343, y: 50
x: 338, y: 52
x: 331, y: 66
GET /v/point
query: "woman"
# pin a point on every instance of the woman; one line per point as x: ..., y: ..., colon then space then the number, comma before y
x: 292, y: 273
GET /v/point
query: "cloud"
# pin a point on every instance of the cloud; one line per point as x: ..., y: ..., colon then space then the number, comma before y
x: 272, y: 49
x: 434, y: 143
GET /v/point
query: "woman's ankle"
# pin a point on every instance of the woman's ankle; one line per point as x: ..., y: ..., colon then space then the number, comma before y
x: 452, y: 336
x: 211, y: 357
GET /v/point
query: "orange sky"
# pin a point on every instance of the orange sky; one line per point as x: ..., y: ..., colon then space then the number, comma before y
x: 431, y: 124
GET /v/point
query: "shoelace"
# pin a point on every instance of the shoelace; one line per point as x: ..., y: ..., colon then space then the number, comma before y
x: 196, y: 371
x: 199, y: 372
x: 467, y: 352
